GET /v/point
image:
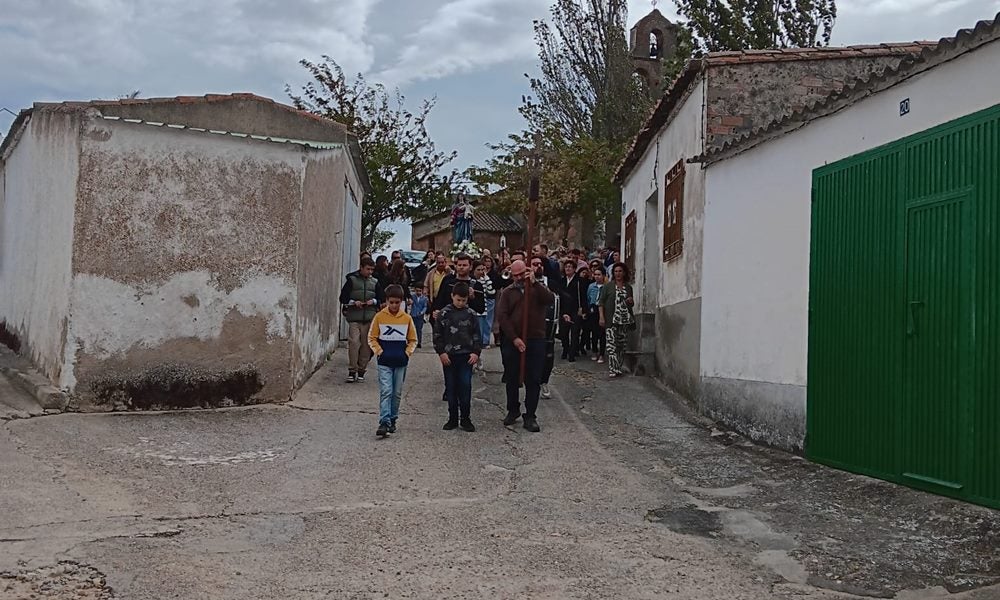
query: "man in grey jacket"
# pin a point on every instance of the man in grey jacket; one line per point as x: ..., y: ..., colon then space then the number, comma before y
x: 361, y: 297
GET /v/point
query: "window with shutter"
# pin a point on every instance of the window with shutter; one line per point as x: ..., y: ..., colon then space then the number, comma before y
x: 673, y: 212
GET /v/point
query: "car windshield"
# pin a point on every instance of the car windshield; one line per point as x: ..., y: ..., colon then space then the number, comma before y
x: 413, y: 256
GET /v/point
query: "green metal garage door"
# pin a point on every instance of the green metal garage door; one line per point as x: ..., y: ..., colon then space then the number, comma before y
x: 904, y: 311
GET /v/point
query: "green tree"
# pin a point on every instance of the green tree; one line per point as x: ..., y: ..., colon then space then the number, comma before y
x: 586, y: 85
x: 743, y: 24
x: 402, y: 162
x: 584, y: 109
x: 575, y: 178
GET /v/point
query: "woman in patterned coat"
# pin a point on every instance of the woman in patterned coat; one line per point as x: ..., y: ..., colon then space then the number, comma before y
x: 615, y: 306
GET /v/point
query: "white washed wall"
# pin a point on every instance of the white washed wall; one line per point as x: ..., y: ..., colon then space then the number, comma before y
x: 756, y: 262
x: 682, y: 138
x: 37, y: 197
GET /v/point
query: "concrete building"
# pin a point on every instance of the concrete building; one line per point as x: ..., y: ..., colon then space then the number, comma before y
x: 761, y: 317
x: 435, y: 232
x: 195, y: 244
x: 714, y: 100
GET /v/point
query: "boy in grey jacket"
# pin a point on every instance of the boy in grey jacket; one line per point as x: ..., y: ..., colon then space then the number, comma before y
x: 458, y: 342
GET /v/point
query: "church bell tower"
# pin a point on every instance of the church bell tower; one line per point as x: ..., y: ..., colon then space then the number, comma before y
x: 651, y: 41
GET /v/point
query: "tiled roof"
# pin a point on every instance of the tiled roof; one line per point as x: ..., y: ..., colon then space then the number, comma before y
x: 678, y: 90
x: 820, y: 53
x: 235, y: 134
x: 482, y: 220
x: 485, y: 221
x: 949, y: 48
x: 206, y: 99
x: 348, y: 139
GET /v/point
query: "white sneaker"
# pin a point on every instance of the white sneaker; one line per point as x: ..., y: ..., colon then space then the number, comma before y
x: 546, y: 392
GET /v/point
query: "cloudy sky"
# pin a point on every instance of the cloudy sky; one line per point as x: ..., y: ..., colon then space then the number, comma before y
x: 471, y: 54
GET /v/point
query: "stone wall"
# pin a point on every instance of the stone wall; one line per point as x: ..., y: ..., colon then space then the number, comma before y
x: 747, y: 95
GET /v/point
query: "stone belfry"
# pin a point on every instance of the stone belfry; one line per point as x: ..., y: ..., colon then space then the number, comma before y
x: 652, y: 39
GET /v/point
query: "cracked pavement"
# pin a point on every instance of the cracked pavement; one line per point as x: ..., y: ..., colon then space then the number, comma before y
x: 302, y: 501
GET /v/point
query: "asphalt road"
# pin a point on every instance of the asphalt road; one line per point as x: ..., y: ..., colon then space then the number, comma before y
x: 303, y: 501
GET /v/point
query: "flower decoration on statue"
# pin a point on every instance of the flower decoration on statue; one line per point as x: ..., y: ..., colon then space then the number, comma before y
x: 467, y: 247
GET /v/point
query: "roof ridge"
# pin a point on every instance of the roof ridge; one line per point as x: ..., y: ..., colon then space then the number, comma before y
x: 206, y: 99
x: 874, y: 83
x: 669, y: 99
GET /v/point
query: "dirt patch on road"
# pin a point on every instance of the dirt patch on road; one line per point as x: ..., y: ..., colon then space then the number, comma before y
x: 65, y: 581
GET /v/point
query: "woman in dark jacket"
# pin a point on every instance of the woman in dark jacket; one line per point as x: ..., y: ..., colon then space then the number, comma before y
x: 615, y: 305
x: 400, y: 275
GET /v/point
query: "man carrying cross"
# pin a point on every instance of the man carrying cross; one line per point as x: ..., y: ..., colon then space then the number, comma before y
x: 513, y: 313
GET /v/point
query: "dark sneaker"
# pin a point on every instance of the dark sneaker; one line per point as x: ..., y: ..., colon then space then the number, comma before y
x: 351, y: 377
x: 510, y: 419
x: 571, y: 359
x: 531, y: 424
x: 466, y: 425
x: 392, y: 426
x: 451, y: 424
x: 382, y: 431
x: 361, y: 376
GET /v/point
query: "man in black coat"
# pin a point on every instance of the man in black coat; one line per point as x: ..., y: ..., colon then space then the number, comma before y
x: 573, y: 296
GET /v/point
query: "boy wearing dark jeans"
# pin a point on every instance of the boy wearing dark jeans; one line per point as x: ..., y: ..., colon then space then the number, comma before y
x: 418, y: 312
x: 458, y: 341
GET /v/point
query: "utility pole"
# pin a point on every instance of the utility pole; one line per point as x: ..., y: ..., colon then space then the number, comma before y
x: 534, y: 190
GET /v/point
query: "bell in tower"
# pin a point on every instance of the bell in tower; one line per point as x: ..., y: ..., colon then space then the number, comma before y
x: 652, y: 40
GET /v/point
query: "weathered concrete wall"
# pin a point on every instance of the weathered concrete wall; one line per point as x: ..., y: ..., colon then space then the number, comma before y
x: 757, y: 235
x: 320, y: 257
x: 742, y: 97
x: 37, y: 194
x: 678, y: 346
x: 185, y: 253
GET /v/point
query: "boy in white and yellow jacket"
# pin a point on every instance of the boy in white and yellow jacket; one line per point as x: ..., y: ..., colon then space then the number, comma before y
x: 393, y: 338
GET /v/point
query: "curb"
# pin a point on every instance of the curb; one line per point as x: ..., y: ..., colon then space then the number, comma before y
x: 38, y: 387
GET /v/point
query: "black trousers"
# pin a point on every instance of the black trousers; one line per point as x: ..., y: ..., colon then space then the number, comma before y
x: 595, y: 333
x: 534, y: 366
x: 569, y: 333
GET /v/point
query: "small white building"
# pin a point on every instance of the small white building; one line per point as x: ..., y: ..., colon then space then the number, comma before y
x: 922, y: 132
x: 714, y: 100
x: 192, y: 246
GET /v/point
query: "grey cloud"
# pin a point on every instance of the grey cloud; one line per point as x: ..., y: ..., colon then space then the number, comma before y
x: 106, y: 47
x: 465, y: 35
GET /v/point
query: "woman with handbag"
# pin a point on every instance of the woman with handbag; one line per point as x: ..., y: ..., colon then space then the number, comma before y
x: 615, y: 307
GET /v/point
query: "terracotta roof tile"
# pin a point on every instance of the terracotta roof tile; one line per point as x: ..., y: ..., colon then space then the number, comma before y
x: 675, y: 92
x: 929, y: 56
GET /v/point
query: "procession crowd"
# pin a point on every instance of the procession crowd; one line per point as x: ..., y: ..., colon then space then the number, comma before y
x: 521, y: 303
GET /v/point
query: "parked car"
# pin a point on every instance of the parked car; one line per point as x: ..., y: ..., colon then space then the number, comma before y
x: 414, y: 260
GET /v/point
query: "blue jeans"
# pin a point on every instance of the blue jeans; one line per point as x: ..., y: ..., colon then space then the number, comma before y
x: 390, y: 391
x: 485, y: 329
x: 458, y: 386
x: 491, y: 306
